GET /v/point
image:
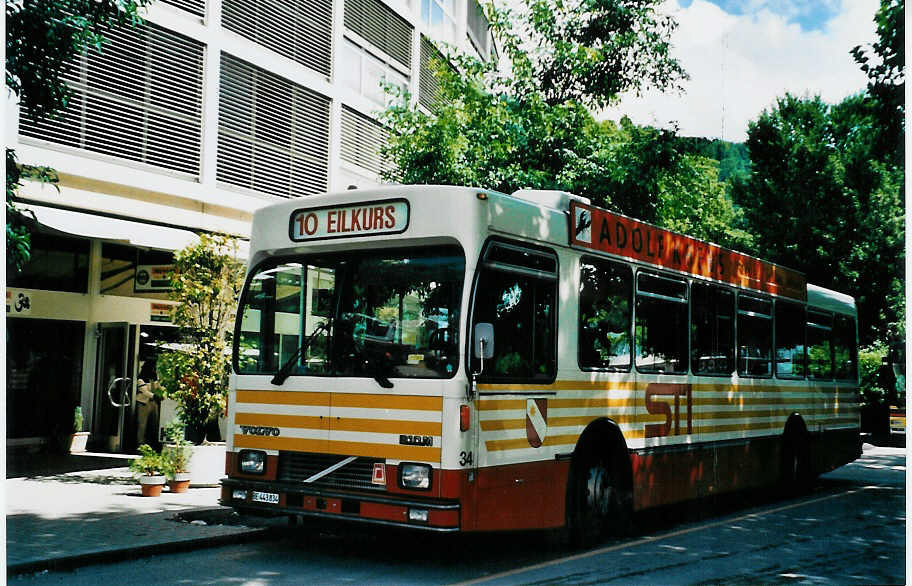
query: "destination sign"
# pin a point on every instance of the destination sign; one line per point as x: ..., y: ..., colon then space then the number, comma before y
x: 363, y: 219
x: 599, y: 229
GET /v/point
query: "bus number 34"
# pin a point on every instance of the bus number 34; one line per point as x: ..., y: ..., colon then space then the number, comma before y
x: 465, y: 458
x: 658, y: 403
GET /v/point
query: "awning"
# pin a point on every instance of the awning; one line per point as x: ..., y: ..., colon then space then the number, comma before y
x: 124, y: 231
x: 117, y: 230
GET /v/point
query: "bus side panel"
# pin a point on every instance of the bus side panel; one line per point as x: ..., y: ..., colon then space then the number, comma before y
x: 834, y: 448
x: 665, y: 476
x: 521, y: 496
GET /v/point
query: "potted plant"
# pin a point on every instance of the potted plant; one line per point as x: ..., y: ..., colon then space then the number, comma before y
x: 149, y: 467
x: 79, y: 439
x: 176, y: 458
x: 206, y: 280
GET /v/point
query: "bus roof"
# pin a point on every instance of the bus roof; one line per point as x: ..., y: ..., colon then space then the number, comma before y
x: 539, y: 214
x: 821, y: 298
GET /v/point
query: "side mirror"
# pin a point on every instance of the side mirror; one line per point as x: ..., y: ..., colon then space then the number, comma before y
x: 483, y: 341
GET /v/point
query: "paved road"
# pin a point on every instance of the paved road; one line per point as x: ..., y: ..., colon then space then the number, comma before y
x: 851, y: 529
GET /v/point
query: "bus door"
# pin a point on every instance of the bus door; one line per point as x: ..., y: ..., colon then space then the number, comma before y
x: 114, y: 386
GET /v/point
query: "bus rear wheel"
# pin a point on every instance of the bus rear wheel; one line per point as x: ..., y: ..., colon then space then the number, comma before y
x: 595, y: 500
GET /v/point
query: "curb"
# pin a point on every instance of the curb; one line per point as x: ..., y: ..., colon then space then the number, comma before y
x: 131, y: 553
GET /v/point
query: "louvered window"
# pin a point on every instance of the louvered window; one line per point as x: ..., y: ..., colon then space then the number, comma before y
x: 428, y: 85
x: 139, y: 99
x: 438, y: 16
x: 273, y: 133
x: 380, y: 26
x: 478, y: 28
x: 298, y: 29
x: 361, y: 140
x: 368, y: 74
x: 195, y: 7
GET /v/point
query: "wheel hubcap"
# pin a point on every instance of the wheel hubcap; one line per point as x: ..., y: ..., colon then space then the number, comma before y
x: 598, y: 491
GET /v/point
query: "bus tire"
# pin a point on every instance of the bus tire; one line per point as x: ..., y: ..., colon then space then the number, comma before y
x: 598, y: 503
x: 796, y: 476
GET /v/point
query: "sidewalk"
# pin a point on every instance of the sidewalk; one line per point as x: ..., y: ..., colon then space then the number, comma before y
x: 63, y: 519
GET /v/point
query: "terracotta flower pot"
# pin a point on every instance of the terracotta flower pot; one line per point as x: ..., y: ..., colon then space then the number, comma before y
x: 151, y: 485
x: 180, y: 483
x: 78, y: 442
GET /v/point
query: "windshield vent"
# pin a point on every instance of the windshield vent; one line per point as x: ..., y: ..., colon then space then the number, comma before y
x: 298, y: 466
x: 519, y: 259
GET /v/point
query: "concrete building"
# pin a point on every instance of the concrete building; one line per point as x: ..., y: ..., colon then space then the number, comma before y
x: 187, y: 124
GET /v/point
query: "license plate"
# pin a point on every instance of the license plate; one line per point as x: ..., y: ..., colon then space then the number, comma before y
x: 265, y: 497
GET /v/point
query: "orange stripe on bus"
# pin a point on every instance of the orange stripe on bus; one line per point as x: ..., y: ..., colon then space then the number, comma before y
x: 342, y: 424
x: 393, y: 452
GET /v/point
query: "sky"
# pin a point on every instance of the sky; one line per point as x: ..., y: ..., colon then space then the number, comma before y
x: 742, y: 54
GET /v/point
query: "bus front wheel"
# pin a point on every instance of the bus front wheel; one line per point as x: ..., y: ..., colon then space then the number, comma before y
x: 595, y: 499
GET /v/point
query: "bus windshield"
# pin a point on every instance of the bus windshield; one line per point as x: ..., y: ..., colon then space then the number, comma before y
x: 389, y: 313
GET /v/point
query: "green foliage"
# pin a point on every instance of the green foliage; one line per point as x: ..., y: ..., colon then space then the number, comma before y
x: 821, y: 200
x: 733, y: 157
x: 871, y: 386
x: 590, y: 51
x: 886, y: 78
x: 77, y: 419
x: 205, y: 281
x: 176, y: 452
x: 41, y: 39
x: 149, y: 462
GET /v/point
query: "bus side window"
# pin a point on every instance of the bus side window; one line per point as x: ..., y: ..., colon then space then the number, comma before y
x: 819, y: 342
x: 712, y: 322
x: 755, y: 336
x: 606, y: 289
x: 845, y: 350
x: 517, y: 296
x: 661, y: 324
x: 790, y: 320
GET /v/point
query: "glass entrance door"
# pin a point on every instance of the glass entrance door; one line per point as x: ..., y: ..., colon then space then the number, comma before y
x: 114, y: 387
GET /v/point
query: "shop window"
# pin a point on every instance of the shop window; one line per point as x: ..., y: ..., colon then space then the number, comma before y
x: 519, y: 300
x: 56, y: 263
x: 606, y: 289
x: 712, y: 329
x: 755, y: 336
x: 661, y: 324
x: 845, y: 349
x: 43, y: 377
x: 131, y: 272
x: 819, y: 342
x: 790, y: 320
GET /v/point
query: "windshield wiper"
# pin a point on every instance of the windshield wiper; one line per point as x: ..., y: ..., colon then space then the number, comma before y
x: 283, y: 373
x: 381, y: 365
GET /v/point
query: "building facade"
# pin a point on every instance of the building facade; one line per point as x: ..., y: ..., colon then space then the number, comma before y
x: 185, y: 124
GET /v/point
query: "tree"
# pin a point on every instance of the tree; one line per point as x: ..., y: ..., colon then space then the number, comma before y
x: 886, y: 80
x: 590, y: 51
x: 818, y: 200
x: 205, y: 281
x: 530, y: 128
x: 42, y: 36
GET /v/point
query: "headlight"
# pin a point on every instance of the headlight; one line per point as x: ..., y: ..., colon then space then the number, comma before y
x: 415, y: 476
x: 252, y: 461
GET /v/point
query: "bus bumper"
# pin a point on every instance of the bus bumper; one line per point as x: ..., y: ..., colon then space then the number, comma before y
x: 381, y: 509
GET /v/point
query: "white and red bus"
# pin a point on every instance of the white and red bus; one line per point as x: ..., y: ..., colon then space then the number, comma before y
x: 457, y: 359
